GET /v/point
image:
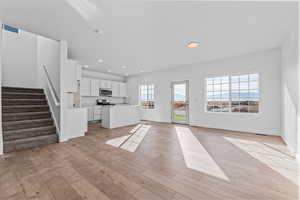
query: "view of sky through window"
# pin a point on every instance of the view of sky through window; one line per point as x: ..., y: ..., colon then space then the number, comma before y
x: 233, y: 93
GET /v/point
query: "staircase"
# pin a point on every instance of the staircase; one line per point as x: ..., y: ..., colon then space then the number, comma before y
x: 26, y: 119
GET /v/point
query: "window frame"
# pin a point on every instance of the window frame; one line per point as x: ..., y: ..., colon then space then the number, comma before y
x: 147, y: 94
x: 9, y: 28
x: 230, y: 97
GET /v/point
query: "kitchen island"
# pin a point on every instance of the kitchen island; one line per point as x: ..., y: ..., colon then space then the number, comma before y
x: 119, y: 115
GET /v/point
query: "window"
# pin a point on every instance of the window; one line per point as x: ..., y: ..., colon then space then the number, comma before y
x: 218, y: 94
x: 233, y: 94
x: 147, y: 96
x: 10, y: 28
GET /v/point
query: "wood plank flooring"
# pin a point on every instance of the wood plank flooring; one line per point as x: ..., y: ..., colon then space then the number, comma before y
x: 172, y: 162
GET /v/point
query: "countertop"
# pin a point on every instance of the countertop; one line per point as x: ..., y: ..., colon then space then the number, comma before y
x: 92, y: 106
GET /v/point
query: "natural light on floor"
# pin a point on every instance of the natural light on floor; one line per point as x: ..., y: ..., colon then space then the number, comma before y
x: 135, y: 128
x: 117, y: 142
x: 195, y: 155
x: 131, y: 142
x: 268, y: 156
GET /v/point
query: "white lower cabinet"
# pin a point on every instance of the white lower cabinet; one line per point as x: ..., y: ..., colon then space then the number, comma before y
x: 90, y: 114
x: 94, y: 113
x: 97, y: 113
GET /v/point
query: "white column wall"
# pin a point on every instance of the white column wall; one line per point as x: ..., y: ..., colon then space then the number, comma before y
x: 63, y: 96
x: 1, y: 135
x: 289, y: 92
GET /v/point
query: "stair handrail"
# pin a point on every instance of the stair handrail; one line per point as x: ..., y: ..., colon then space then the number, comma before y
x: 51, y: 87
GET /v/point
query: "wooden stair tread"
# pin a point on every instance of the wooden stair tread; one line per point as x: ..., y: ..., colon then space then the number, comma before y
x: 25, y: 113
x: 25, y: 106
x: 4, y: 99
x: 31, y: 138
x: 25, y: 90
x: 30, y: 129
x: 26, y: 119
x: 30, y: 142
x: 29, y: 132
x: 22, y: 93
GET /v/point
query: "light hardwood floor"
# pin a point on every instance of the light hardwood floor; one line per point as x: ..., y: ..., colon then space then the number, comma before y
x: 170, y: 162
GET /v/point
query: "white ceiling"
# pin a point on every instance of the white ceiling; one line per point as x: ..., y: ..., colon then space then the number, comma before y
x: 147, y: 35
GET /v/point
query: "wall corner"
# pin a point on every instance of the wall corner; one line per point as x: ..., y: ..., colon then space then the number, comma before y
x: 1, y: 135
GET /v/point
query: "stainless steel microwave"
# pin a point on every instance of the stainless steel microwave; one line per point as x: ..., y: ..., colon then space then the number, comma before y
x: 105, y: 92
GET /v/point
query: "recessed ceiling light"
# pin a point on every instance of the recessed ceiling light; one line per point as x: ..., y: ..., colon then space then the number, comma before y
x: 124, y: 67
x: 98, y: 31
x: 100, y: 61
x: 193, y: 45
x: 85, y: 66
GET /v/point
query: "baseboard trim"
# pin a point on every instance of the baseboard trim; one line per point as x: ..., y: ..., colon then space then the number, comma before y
x: 242, y: 131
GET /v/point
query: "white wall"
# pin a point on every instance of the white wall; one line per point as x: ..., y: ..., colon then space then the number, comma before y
x: 23, y: 57
x: 267, y: 64
x: 19, y: 59
x: 290, y: 88
x: 48, y: 54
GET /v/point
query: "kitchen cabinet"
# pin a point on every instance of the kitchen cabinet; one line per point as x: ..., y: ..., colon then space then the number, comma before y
x: 119, y: 89
x: 115, y: 89
x: 90, y: 113
x: 117, y: 116
x: 94, y: 87
x: 123, y: 90
x: 94, y: 113
x: 90, y: 87
x: 85, y: 87
x: 104, y: 84
x: 97, y: 113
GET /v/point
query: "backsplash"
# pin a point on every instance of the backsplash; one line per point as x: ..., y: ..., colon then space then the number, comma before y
x: 90, y: 101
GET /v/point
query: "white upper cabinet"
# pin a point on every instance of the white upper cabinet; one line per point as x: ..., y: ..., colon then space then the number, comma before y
x: 94, y: 87
x: 115, y: 89
x: 102, y: 84
x: 105, y: 84
x: 123, y: 90
x: 90, y: 87
x: 85, y: 87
